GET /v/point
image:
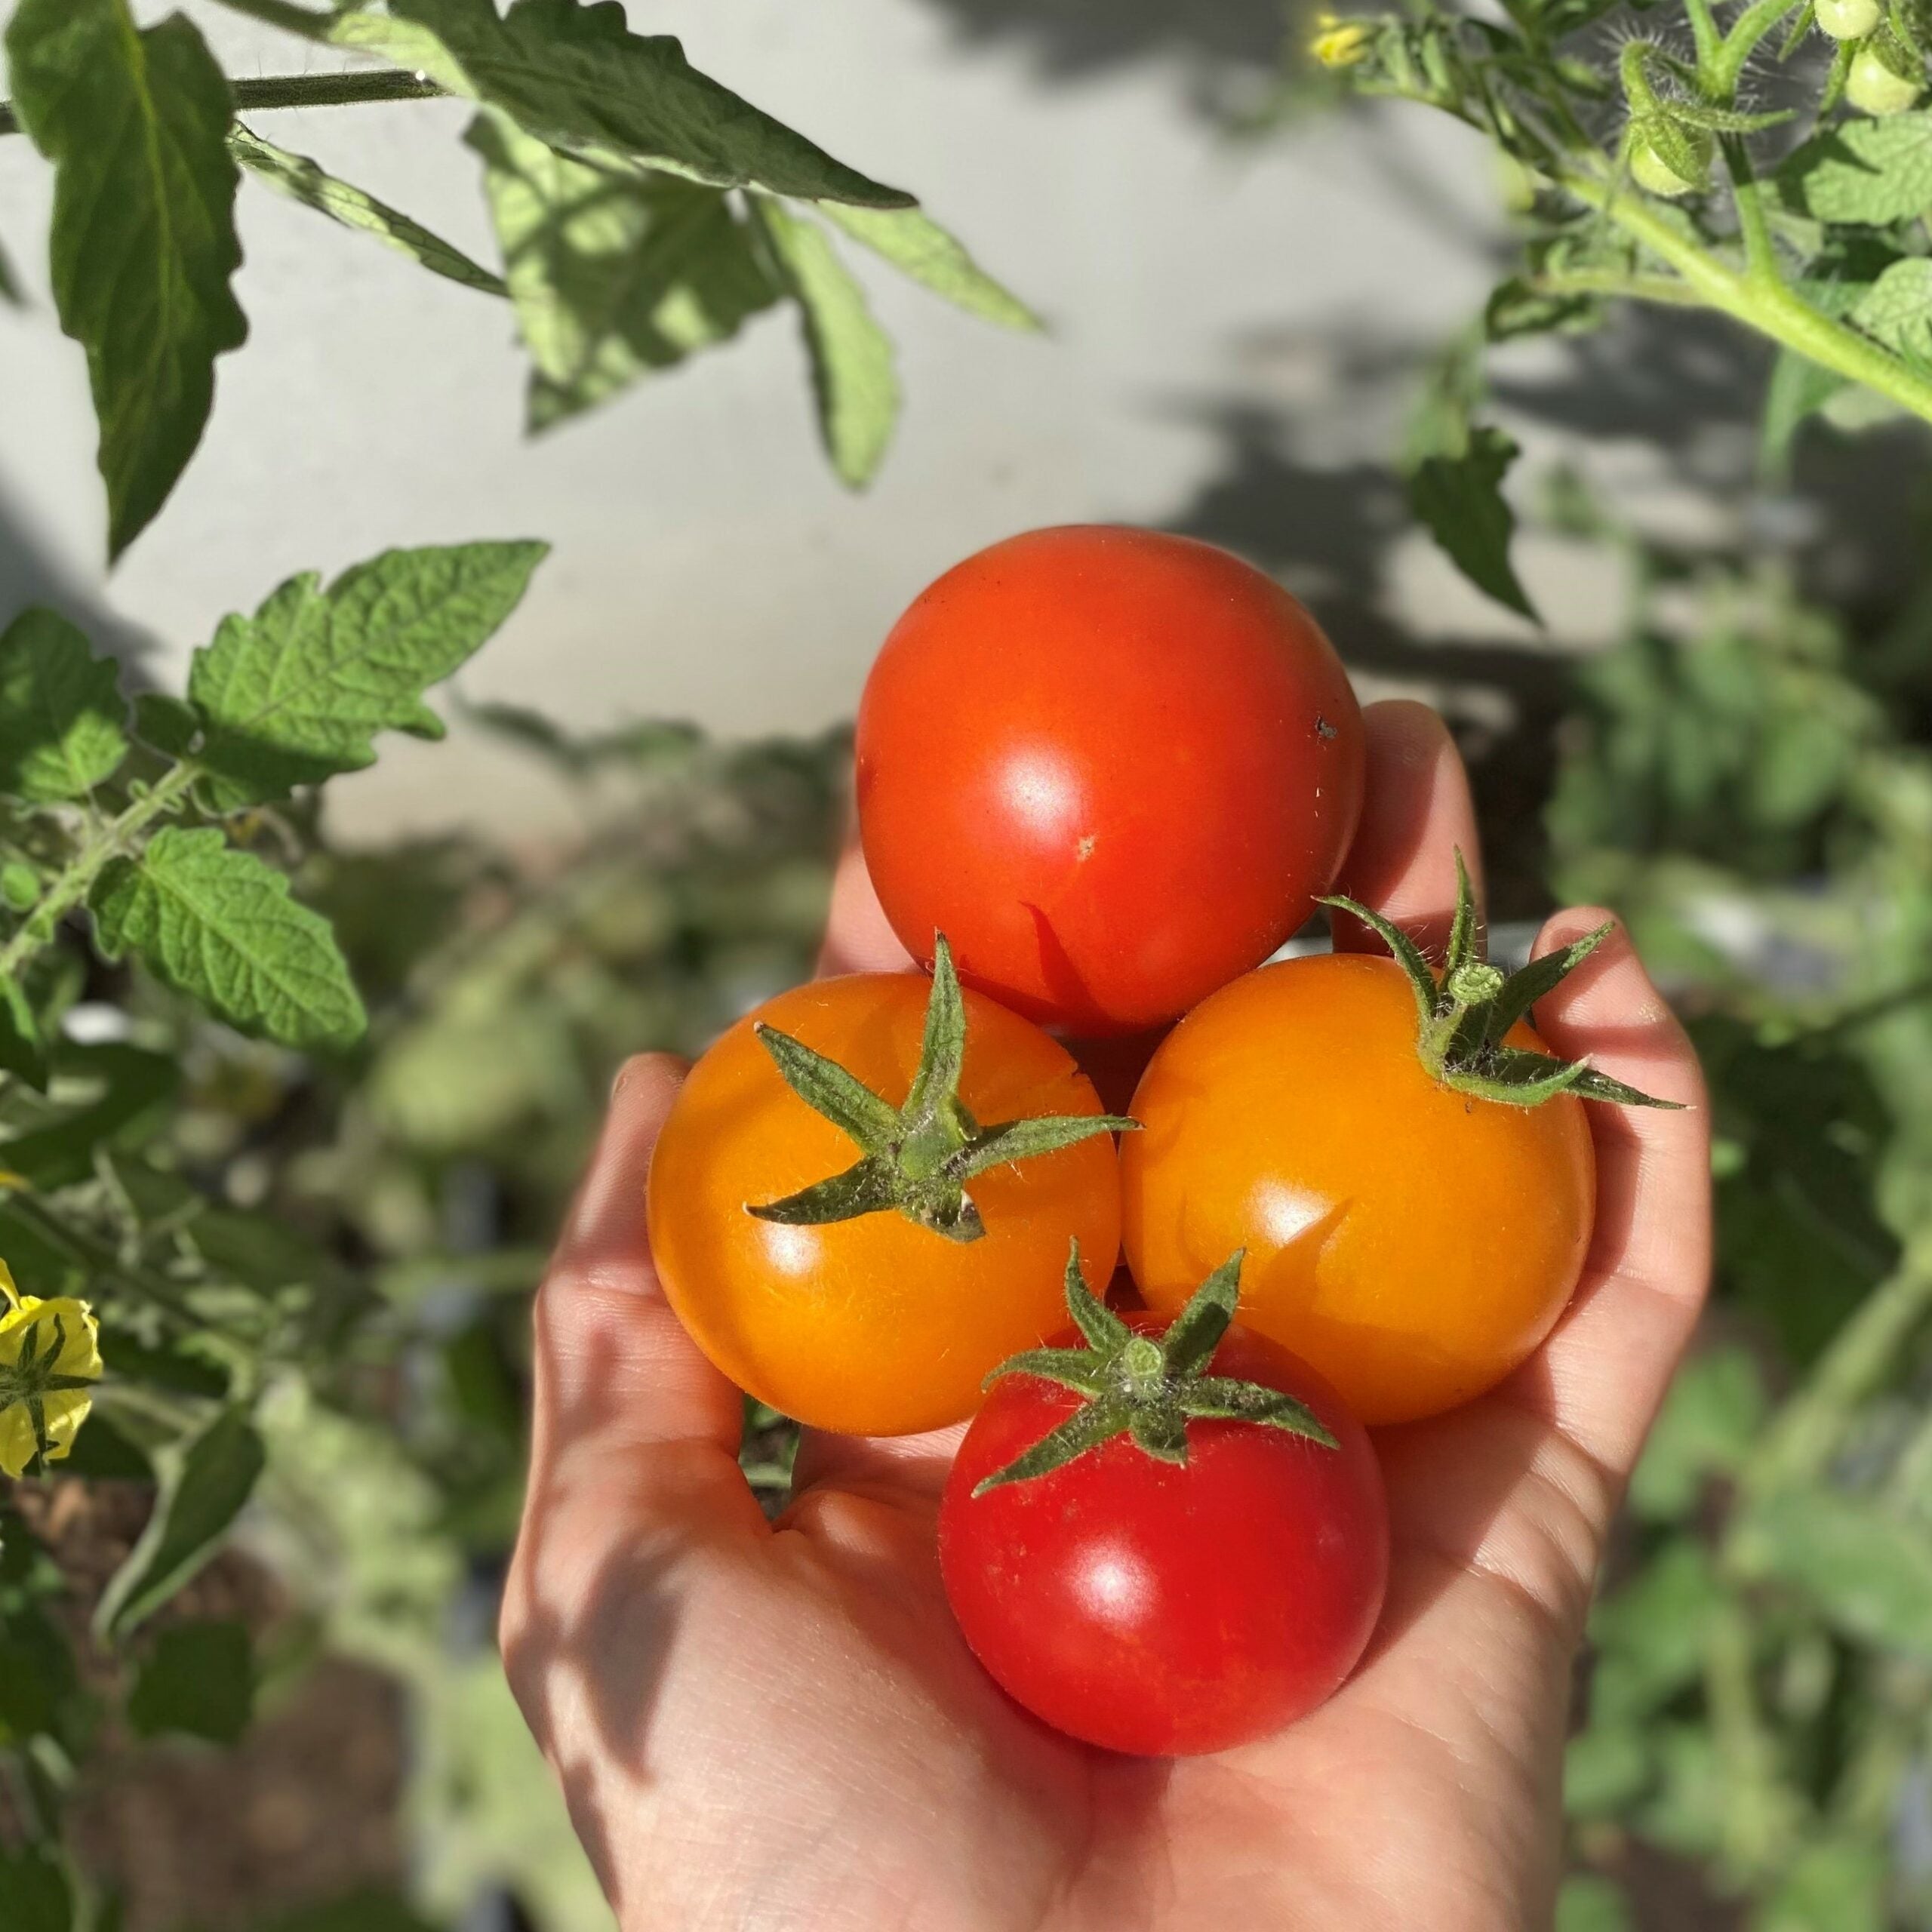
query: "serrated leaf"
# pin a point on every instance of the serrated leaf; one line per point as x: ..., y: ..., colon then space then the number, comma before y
x: 1868, y: 1570
x: 198, y: 1682
x: 297, y: 692
x: 1867, y: 171
x: 1897, y: 308
x: 143, y: 238
x: 577, y: 77
x: 852, y: 378
x: 218, y: 924
x: 205, y: 1483
x: 919, y: 248
x: 303, y: 181
x: 1459, y: 498
x: 613, y: 275
x: 61, y: 711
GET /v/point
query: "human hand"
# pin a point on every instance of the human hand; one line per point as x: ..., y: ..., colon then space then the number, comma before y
x: 761, y: 1726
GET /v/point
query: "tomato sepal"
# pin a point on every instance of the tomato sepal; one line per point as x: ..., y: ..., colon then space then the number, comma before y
x: 917, y: 1157
x: 1145, y: 1387
x: 1464, y: 1014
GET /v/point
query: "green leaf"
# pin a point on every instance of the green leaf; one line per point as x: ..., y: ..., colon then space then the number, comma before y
x: 297, y: 691
x: 1460, y: 497
x: 1866, y: 171
x: 218, y: 924
x: 613, y: 275
x: 577, y: 77
x: 168, y: 724
x: 1706, y: 1428
x: 10, y: 282
x: 35, y: 1890
x: 851, y: 356
x: 1897, y: 308
x: 198, y: 1681
x: 303, y: 181
x: 1589, y: 1903
x: 23, y: 1051
x: 143, y: 239
x: 132, y: 1083
x: 61, y: 712
x: 1869, y: 1571
x: 1798, y: 388
x: 919, y: 248
x: 205, y: 1483
x: 1837, y: 1886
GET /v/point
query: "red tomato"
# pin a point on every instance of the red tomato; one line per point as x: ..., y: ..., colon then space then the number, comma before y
x: 1165, y: 1611
x: 1113, y: 766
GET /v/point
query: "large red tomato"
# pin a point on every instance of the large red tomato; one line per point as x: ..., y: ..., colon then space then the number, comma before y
x: 1159, y: 1609
x: 1113, y: 766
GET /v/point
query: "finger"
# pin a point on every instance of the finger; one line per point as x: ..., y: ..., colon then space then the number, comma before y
x: 916, y: 1464
x: 1604, y: 1371
x: 858, y: 938
x: 634, y: 1434
x: 1417, y: 814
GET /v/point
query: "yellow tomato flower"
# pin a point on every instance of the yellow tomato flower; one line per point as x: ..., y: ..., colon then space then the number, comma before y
x: 1339, y: 43
x: 50, y: 1359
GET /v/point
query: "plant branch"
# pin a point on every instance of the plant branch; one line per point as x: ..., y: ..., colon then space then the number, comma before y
x: 275, y: 91
x: 1709, y: 42
x: 1761, y: 253
x: 1726, y: 68
x: 72, y: 885
x: 1770, y: 308
x: 1668, y: 290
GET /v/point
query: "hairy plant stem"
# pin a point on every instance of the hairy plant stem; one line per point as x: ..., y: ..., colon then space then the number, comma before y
x: 274, y: 90
x: 1726, y: 68
x: 75, y: 880
x: 1758, y: 300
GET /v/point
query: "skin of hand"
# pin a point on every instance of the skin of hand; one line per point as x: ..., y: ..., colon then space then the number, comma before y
x: 777, y: 1727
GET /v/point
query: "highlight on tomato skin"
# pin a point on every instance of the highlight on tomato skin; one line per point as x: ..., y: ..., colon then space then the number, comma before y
x: 1160, y: 1608
x: 874, y: 1324
x: 1068, y: 736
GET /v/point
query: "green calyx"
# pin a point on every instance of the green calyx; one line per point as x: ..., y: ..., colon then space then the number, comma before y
x: 916, y: 1158
x: 1464, y: 1014
x: 1146, y: 1387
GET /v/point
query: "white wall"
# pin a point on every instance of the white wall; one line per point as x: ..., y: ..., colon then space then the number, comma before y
x: 706, y: 563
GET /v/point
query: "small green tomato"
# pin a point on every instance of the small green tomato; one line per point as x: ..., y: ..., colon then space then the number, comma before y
x: 1656, y: 176
x: 1875, y: 86
x: 1848, y: 19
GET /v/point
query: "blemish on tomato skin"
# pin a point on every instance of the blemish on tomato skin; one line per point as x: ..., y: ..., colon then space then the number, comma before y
x: 1085, y: 848
x: 1323, y: 729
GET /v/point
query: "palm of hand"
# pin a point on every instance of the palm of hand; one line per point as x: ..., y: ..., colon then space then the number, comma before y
x: 781, y: 1728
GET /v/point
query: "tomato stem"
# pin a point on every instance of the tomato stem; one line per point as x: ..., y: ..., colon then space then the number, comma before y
x: 1464, y: 1015
x: 916, y: 1157
x: 1145, y: 1387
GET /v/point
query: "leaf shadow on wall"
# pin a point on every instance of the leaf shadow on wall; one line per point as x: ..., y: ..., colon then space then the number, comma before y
x: 1305, y: 484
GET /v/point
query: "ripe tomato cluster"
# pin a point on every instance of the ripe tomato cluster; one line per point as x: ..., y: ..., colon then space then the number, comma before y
x: 1102, y: 774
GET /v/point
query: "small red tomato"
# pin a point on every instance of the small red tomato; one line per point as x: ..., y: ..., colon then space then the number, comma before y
x: 1113, y: 766
x: 1150, y: 1605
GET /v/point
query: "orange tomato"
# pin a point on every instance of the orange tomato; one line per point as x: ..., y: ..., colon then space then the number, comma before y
x: 1412, y: 1244
x: 874, y: 1326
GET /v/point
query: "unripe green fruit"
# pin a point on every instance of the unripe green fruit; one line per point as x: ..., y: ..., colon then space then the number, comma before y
x: 1875, y: 87
x: 1848, y: 19
x: 1656, y: 176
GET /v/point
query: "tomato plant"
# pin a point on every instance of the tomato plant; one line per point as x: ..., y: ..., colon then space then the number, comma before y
x: 1067, y: 734
x: 873, y: 1297
x: 1415, y: 1212
x: 1172, y: 1540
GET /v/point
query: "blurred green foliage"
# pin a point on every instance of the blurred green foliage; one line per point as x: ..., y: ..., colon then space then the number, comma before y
x: 1749, y: 780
